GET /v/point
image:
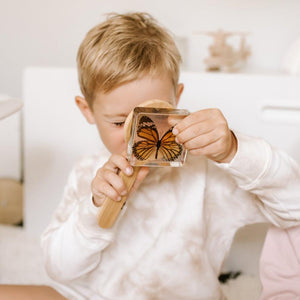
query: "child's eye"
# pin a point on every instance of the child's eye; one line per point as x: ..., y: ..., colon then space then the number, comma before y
x: 119, y: 124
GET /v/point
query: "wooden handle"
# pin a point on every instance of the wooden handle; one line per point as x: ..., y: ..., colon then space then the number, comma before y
x: 110, y: 209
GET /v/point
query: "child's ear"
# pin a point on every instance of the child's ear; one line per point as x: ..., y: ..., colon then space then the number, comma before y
x: 180, y: 88
x: 85, y: 109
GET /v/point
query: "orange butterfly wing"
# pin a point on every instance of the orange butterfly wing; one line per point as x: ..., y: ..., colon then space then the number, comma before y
x: 168, y: 147
x: 142, y: 150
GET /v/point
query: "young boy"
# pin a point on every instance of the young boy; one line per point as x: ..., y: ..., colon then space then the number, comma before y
x: 177, y: 227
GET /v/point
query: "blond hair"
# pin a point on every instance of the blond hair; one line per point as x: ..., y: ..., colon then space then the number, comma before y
x: 124, y: 48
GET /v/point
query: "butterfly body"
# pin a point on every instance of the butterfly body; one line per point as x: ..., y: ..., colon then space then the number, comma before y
x: 157, y: 148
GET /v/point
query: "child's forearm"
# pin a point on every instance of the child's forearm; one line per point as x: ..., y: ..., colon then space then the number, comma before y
x: 72, y: 248
x: 269, y: 174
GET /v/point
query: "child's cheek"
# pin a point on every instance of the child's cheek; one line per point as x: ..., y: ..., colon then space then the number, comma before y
x: 117, y: 137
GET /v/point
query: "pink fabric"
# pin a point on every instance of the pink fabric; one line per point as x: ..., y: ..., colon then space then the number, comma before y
x: 280, y: 264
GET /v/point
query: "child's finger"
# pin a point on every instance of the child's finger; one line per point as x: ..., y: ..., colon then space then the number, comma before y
x: 98, y: 199
x: 196, y: 117
x: 116, y: 182
x: 195, y: 130
x: 120, y: 162
x: 214, y: 151
x: 174, y: 120
x: 104, y: 190
x: 202, y: 140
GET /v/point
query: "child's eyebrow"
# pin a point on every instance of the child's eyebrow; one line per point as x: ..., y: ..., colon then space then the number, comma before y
x: 114, y: 115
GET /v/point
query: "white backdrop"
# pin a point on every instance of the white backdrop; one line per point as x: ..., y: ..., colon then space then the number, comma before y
x: 48, y: 33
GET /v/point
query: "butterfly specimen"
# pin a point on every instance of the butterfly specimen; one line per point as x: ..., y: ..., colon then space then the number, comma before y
x: 151, y: 146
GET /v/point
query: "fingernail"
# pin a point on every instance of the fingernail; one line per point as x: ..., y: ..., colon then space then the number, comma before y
x: 175, y: 131
x: 172, y: 120
x: 123, y: 193
x: 176, y: 140
x: 119, y: 198
x: 128, y: 171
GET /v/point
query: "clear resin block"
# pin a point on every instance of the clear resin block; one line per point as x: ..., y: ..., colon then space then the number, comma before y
x: 152, y: 142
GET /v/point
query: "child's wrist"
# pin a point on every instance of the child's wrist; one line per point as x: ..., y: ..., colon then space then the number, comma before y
x: 232, y: 152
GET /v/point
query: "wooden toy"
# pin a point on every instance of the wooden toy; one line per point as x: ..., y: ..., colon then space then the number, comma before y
x: 224, y: 57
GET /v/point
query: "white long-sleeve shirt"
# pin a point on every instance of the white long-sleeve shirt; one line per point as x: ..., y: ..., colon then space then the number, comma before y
x: 175, y: 231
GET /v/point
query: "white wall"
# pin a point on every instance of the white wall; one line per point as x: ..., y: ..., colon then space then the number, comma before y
x: 47, y: 33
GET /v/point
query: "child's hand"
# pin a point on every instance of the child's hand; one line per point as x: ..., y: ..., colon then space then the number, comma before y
x: 107, y: 182
x: 206, y: 132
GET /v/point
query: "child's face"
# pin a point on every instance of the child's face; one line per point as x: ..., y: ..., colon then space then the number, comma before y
x: 110, y: 110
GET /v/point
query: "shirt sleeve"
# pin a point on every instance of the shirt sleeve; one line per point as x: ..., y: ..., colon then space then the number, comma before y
x: 270, y: 175
x: 280, y: 264
x: 73, y: 241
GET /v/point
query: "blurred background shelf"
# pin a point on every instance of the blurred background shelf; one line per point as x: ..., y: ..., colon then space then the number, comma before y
x: 11, y: 189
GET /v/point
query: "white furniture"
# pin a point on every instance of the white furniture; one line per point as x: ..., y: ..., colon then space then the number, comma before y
x: 10, y: 133
x: 56, y: 135
x: 8, y: 106
x: 11, y: 208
